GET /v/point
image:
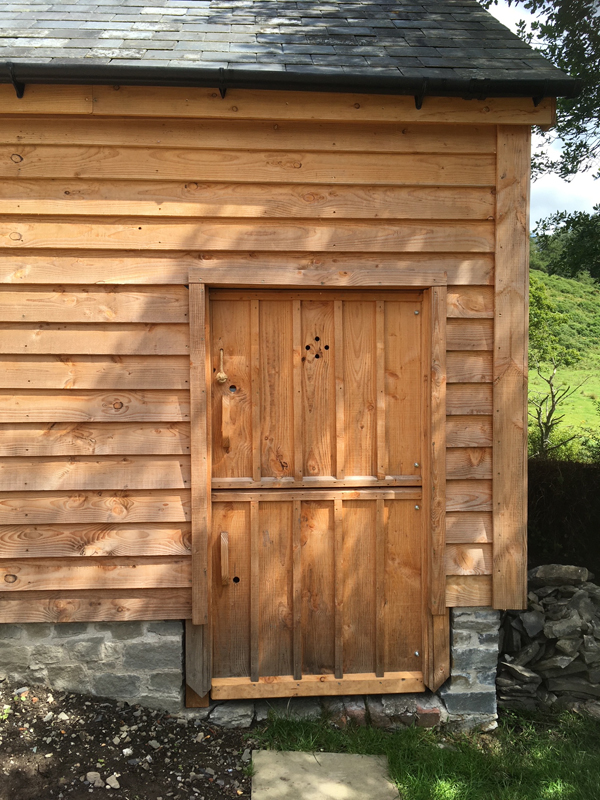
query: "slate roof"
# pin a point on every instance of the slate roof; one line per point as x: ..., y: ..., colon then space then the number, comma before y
x: 448, y: 47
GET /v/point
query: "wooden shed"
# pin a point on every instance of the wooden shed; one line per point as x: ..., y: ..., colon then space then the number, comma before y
x: 263, y: 305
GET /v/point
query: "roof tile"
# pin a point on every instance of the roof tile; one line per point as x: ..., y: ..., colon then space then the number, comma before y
x: 437, y: 40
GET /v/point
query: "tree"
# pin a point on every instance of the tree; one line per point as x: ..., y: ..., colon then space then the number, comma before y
x: 547, y: 355
x: 545, y: 346
x: 545, y: 414
x: 568, y: 244
x: 567, y: 32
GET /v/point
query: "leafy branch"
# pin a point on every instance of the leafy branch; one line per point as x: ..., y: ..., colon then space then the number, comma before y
x: 567, y: 33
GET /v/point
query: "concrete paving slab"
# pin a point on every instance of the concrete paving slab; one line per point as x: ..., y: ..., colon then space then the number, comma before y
x: 320, y: 776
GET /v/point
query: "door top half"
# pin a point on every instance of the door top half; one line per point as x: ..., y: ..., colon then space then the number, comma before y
x: 317, y: 388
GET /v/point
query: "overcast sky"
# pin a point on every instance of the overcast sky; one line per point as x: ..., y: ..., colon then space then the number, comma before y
x: 549, y: 193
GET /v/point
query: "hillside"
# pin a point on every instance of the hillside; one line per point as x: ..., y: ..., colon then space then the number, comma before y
x: 579, y: 302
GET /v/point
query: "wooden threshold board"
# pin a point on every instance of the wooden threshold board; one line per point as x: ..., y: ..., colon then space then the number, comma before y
x: 313, y: 685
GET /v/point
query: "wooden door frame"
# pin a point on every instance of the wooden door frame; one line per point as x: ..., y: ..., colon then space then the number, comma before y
x: 436, y: 628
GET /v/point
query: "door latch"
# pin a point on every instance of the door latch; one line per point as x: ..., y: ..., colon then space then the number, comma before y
x: 224, y: 558
x: 221, y: 376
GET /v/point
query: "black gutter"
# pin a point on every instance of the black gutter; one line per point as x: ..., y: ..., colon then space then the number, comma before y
x: 69, y: 72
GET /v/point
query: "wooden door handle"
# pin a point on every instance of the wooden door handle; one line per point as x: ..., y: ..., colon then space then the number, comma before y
x: 224, y: 558
x: 226, y: 422
x: 221, y: 376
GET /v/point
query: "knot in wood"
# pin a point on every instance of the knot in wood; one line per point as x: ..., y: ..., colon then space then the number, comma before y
x: 16, y: 158
x: 10, y: 578
x: 118, y: 405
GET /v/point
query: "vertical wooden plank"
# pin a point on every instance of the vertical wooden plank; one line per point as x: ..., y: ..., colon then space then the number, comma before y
x: 318, y: 388
x: 428, y: 645
x: 382, y: 460
x: 276, y: 396
x: 437, y: 577
x: 193, y: 699
x: 405, y: 619
x: 231, y: 411
x: 510, y: 368
x: 318, y: 586
x: 200, y: 445
x: 198, y: 648
x: 255, y: 391
x: 297, y: 590
x: 340, y: 403
x: 360, y: 388
x: 403, y: 387
x: 440, y: 639
x: 254, y: 591
x: 380, y: 542
x: 195, y: 674
x: 230, y: 599
x: 297, y: 388
x: 359, y: 629
x: 423, y: 509
x: 276, y: 587
x: 339, y: 587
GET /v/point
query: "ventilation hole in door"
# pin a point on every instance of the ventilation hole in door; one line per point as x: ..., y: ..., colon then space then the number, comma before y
x: 326, y: 347
x: 317, y: 339
x: 233, y: 388
x: 236, y: 579
x: 307, y: 347
x: 317, y: 356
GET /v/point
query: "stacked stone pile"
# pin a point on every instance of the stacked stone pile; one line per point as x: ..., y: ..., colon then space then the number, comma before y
x: 550, y: 654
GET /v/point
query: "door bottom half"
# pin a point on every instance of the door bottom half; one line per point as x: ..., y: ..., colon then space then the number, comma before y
x: 316, y: 592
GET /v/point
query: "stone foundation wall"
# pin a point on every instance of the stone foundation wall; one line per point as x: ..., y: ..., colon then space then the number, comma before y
x: 470, y: 693
x: 139, y: 662
x: 142, y: 663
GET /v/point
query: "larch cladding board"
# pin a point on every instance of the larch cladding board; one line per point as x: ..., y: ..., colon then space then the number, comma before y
x: 101, y: 220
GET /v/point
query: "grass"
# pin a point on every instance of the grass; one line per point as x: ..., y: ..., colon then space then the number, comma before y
x: 527, y: 758
x: 579, y: 302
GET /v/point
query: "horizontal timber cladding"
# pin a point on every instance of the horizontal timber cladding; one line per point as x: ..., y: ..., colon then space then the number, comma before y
x: 118, y: 506
x: 203, y: 199
x: 92, y: 605
x: 83, y: 438
x: 93, y: 338
x: 73, y: 541
x: 207, y: 134
x: 154, y: 267
x: 206, y: 103
x: 90, y: 372
x: 245, y: 166
x: 101, y: 222
x: 79, y: 405
x: 214, y: 234
x: 97, y: 304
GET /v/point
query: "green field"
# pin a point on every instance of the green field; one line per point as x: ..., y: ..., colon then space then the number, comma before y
x: 579, y: 303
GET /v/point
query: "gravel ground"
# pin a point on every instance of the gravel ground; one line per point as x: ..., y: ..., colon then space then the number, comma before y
x: 55, y: 745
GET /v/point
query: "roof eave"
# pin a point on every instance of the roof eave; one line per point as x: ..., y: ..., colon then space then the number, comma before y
x: 75, y: 72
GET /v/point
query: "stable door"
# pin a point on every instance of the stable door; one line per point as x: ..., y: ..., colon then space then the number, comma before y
x: 318, y: 458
